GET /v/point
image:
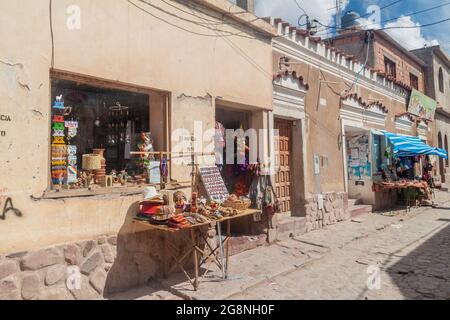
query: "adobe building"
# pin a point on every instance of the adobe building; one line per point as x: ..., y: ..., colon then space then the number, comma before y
x: 331, y: 110
x: 106, y: 72
x: 437, y: 86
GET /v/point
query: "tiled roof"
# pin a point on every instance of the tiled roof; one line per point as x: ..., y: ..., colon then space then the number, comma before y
x: 294, y: 74
x: 365, y: 104
x: 307, y: 33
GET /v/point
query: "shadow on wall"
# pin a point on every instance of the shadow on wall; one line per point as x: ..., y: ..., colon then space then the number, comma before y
x: 140, y: 257
x: 425, y: 272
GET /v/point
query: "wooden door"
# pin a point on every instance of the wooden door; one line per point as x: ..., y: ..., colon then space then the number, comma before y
x: 283, y: 154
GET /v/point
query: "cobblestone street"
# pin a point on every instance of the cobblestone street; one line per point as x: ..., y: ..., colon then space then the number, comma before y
x: 413, y: 256
x: 410, y: 251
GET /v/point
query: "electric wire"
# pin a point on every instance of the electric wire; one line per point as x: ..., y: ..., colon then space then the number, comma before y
x: 51, y: 34
x: 179, y: 27
x: 355, y: 19
x: 410, y: 14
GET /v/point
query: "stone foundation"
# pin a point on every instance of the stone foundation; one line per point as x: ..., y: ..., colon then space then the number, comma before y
x: 335, y: 209
x: 103, y: 266
x: 43, y: 274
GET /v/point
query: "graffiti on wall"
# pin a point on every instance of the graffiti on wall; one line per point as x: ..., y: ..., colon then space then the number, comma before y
x: 4, y: 118
x: 8, y: 206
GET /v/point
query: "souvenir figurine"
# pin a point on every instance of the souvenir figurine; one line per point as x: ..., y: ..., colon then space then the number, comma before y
x: 194, y: 202
x: 180, y: 202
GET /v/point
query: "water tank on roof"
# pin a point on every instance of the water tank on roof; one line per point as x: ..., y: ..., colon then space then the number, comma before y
x: 350, y: 20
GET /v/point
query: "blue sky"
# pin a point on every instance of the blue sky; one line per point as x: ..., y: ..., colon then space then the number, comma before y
x: 323, y: 11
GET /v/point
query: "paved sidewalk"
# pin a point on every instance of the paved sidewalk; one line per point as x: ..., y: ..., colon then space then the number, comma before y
x: 411, y: 249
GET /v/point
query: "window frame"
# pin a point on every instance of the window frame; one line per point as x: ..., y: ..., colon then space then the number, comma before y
x: 441, y: 80
x: 414, y: 84
x: 393, y: 69
x: 93, y: 81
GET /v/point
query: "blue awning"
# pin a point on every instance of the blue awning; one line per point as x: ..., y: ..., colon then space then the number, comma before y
x: 409, y: 146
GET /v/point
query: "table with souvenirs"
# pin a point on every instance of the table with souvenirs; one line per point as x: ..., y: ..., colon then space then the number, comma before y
x: 197, y: 220
x: 411, y: 187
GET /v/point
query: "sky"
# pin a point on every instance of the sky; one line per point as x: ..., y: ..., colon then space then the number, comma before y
x: 398, y: 14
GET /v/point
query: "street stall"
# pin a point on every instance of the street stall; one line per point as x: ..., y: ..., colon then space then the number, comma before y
x: 198, y: 218
x: 407, y: 168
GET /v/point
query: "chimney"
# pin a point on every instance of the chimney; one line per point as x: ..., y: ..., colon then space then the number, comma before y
x: 248, y: 5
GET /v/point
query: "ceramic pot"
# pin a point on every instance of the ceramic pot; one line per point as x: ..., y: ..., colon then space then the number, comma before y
x: 100, y: 174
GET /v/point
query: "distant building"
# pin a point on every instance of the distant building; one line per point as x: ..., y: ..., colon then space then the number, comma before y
x: 382, y: 53
x: 437, y: 86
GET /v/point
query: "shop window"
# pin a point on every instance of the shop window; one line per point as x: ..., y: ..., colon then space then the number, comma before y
x: 414, y: 81
x: 111, y: 123
x: 441, y: 80
x: 237, y: 174
x: 390, y: 67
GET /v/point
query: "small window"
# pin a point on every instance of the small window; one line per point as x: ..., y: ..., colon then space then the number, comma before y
x: 414, y: 81
x: 441, y: 80
x: 390, y: 68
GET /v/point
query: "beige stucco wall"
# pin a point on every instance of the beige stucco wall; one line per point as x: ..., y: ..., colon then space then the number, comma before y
x: 117, y: 42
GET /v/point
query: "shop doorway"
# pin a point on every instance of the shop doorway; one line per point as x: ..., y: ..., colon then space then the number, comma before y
x: 358, y: 163
x: 283, y: 186
x: 237, y: 176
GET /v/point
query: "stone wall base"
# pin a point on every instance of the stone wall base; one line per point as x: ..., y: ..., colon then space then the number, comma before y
x: 67, y: 272
x: 335, y: 209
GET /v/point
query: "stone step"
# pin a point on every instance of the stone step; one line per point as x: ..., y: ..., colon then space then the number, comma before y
x: 240, y: 243
x: 290, y: 227
x: 444, y: 187
x: 352, y: 202
x: 447, y: 178
x: 358, y: 210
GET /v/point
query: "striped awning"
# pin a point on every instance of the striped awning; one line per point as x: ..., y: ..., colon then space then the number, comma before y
x: 409, y: 146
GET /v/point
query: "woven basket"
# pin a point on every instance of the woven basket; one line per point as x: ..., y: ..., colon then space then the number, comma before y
x: 92, y: 162
x: 238, y: 205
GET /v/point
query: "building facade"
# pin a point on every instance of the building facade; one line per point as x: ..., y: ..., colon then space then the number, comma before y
x: 329, y: 101
x: 109, y: 70
x: 383, y: 54
x: 437, y: 86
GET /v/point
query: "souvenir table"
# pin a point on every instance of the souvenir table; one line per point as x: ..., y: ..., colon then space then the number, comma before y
x: 408, y: 185
x: 200, y: 257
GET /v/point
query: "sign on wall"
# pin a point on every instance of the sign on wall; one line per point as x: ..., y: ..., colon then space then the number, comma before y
x: 422, y: 105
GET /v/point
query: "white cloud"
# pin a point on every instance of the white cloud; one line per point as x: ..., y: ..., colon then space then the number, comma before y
x: 411, y: 38
x: 322, y: 10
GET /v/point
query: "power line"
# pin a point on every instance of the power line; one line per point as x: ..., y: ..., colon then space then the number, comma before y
x: 363, y: 16
x: 181, y: 28
x: 415, y: 27
x: 300, y: 7
x: 193, y: 22
x: 406, y: 15
x: 51, y: 34
x: 412, y: 27
x: 212, y: 22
